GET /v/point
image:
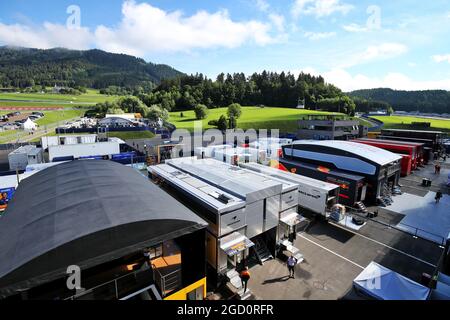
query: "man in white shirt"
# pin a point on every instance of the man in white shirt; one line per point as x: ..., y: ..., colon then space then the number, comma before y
x: 291, y: 262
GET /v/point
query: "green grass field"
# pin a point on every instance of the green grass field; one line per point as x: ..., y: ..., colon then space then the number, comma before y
x: 52, y: 117
x: 404, y: 122
x: 125, y: 135
x: 91, y: 97
x: 284, y: 119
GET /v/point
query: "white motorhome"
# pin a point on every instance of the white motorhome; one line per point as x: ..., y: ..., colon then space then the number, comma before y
x: 313, y: 195
x: 267, y: 199
x: 23, y: 156
x: 84, y: 149
x: 271, y: 146
x: 237, y: 155
x: 209, y: 151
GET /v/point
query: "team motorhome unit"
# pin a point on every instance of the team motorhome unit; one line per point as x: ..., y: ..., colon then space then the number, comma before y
x: 237, y: 155
x: 224, y: 212
x: 352, y: 187
x: 231, y: 155
x: 419, y: 148
x: 80, y: 150
x: 313, y: 195
x: 23, y: 156
x: 209, y: 151
x: 379, y: 167
x: 272, y: 146
x: 266, y: 198
x: 397, y: 148
x: 400, y: 134
x: 48, y: 141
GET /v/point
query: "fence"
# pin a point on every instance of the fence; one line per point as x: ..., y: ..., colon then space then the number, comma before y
x: 402, y: 227
x: 117, y: 288
x: 169, y: 282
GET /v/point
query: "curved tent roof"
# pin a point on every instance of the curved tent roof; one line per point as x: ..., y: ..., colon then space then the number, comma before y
x: 385, y: 284
x: 85, y: 213
x: 377, y: 155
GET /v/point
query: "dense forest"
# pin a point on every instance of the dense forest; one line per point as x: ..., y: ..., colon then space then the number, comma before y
x: 23, y: 67
x: 266, y: 88
x: 199, y: 93
x: 431, y: 101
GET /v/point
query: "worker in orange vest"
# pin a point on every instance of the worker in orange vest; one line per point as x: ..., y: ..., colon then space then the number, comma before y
x: 245, y: 276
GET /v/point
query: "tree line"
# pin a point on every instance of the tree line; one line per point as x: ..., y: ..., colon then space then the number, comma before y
x: 266, y: 88
x: 430, y: 101
x: 25, y: 68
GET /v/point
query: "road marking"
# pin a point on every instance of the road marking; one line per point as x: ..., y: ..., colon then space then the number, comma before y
x: 385, y: 245
x: 331, y: 251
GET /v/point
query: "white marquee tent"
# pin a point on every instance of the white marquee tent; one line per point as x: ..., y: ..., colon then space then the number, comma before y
x: 29, y: 125
x: 384, y: 284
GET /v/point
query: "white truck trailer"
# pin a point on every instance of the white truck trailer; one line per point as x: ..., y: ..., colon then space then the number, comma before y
x: 23, y: 156
x: 313, y: 195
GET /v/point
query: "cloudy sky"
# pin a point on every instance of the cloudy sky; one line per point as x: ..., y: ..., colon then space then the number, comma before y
x: 402, y: 44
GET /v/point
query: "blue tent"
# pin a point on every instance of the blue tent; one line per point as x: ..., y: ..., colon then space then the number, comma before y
x: 384, y: 284
x: 442, y: 291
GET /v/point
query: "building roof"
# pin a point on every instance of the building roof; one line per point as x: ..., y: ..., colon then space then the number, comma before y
x: 128, y: 116
x: 27, y: 149
x: 242, y: 183
x: 371, y: 153
x: 289, y: 176
x: 208, y: 195
x: 397, y: 142
x: 83, y: 213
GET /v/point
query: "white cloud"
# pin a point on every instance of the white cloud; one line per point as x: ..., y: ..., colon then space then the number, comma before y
x: 348, y: 82
x: 278, y: 21
x: 319, y: 35
x: 441, y: 58
x: 319, y: 8
x: 47, y: 36
x: 145, y: 28
x: 375, y: 52
x: 262, y: 5
x: 353, y: 27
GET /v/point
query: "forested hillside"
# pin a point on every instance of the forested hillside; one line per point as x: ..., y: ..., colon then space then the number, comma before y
x: 266, y: 88
x: 431, y: 101
x: 23, y: 67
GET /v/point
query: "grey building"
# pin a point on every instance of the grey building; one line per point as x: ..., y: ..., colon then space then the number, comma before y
x: 329, y: 128
x: 23, y: 156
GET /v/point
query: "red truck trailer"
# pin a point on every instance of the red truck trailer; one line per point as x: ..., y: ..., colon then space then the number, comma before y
x: 406, y: 165
x: 420, y: 148
x: 395, y: 148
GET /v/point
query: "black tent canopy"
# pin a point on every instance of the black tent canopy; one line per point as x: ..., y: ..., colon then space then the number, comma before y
x: 84, y: 213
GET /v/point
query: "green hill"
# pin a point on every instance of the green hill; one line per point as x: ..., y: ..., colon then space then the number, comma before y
x: 24, y: 67
x: 431, y: 101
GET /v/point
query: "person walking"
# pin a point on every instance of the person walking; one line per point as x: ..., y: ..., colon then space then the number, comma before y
x: 438, y: 196
x: 291, y: 263
x: 245, y: 276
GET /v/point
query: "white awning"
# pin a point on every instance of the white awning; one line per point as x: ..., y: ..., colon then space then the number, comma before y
x: 292, y: 219
x: 235, y: 243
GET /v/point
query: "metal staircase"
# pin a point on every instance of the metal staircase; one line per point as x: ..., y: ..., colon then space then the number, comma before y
x: 262, y: 253
x: 361, y: 207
